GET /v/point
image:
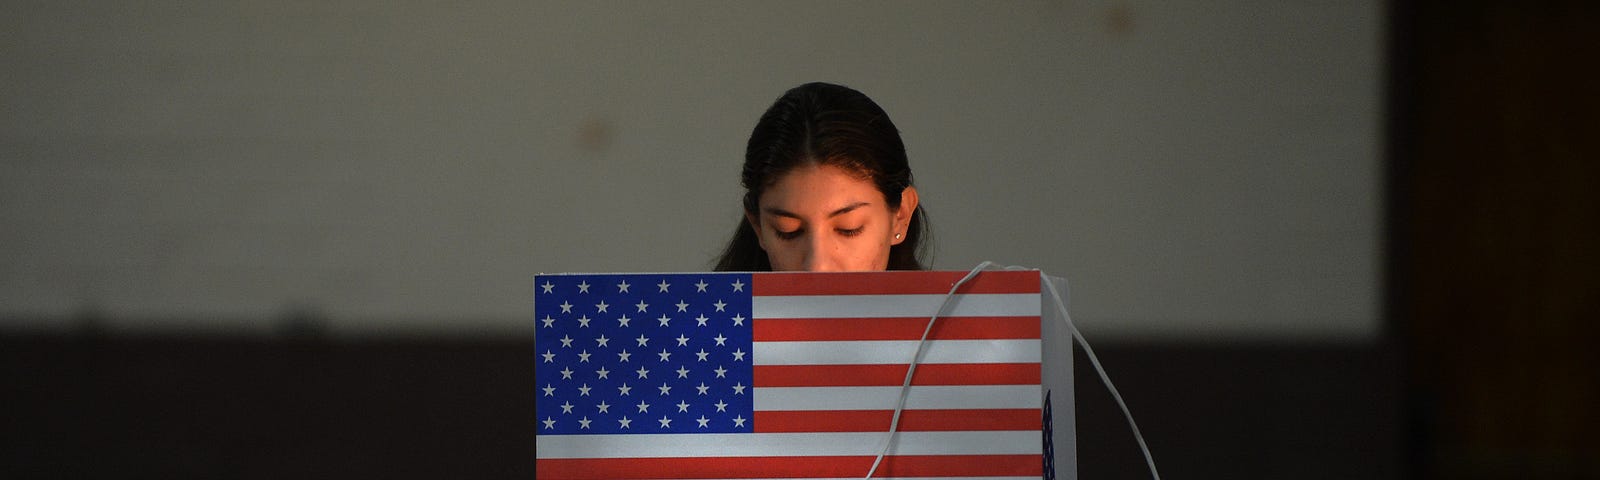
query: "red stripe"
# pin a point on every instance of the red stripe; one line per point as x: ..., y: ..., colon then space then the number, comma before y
x: 910, y: 420
x: 790, y: 467
x: 950, y: 328
x: 895, y: 375
x: 891, y: 283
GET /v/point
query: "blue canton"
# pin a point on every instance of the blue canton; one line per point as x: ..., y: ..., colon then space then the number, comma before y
x: 653, y: 354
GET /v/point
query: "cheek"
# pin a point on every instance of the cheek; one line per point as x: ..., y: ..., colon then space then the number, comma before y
x: 782, y: 254
x: 869, y: 251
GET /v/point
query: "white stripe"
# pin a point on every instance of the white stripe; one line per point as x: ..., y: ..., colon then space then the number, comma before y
x: 787, y: 444
x: 895, y: 352
x: 885, y: 398
x: 856, y: 306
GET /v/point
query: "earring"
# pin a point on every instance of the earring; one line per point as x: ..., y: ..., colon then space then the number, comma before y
x: 897, y: 236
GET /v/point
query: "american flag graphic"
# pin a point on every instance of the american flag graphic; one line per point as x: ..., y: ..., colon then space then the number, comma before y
x: 786, y: 375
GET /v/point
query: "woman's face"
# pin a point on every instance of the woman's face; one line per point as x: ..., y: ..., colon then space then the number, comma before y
x: 821, y: 218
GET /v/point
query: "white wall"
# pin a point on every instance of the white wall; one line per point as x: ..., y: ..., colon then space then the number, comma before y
x: 1197, y: 169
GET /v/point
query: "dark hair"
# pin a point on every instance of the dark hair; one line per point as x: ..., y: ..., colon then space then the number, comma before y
x: 824, y: 124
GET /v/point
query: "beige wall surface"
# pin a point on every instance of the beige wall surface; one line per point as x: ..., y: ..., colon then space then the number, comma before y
x: 1197, y: 170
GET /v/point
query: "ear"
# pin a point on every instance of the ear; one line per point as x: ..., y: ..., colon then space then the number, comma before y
x: 902, y: 215
x: 755, y: 226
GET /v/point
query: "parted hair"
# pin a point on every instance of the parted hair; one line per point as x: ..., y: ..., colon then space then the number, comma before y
x: 824, y: 124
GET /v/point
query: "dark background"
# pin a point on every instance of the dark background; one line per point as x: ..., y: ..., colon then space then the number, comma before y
x: 1486, y: 368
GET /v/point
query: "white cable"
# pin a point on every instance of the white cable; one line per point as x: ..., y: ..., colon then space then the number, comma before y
x: 905, y: 388
x: 1062, y: 306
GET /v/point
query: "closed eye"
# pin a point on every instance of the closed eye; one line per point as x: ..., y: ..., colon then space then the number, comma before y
x: 789, y: 235
x: 851, y: 232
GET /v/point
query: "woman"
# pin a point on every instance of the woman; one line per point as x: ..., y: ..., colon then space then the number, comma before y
x: 827, y: 188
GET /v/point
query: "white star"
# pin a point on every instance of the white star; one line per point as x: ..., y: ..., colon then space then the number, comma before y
x: 700, y: 321
x: 583, y: 391
x: 604, y: 407
x: 548, y: 287
x: 663, y: 285
x: 583, y: 321
x: 549, y: 391
x: 738, y: 421
x: 702, y: 388
x: 738, y: 319
x: 623, y: 357
x: 703, y: 420
x: 719, y: 305
x: 683, y: 372
x: 643, y: 407
x: 566, y: 407
x: 665, y: 390
x: 720, y: 339
x: 682, y: 307
x: 664, y: 319
x: 701, y: 286
x: 623, y: 321
x: 548, y: 321
x: 701, y: 355
x: 738, y: 355
x: 643, y: 373
x: 643, y: 340
x: 548, y: 357
x: 549, y: 423
x: 683, y: 407
x: 601, y: 307
x: 602, y: 372
x: 738, y: 388
x: 721, y: 406
x: 738, y: 285
x: 721, y: 372
x: 583, y: 357
x: 665, y: 422
x: 566, y: 307
x: 602, y: 340
x: 623, y: 287
x: 583, y: 287
x: 642, y: 306
x: 665, y: 354
x: 624, y: 422
x: 623, y: 390
x: 566, y: 373
x: 682, y: 340
x: 583, y: 423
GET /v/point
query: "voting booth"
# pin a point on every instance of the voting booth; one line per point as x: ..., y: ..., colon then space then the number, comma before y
x: 923, y: 374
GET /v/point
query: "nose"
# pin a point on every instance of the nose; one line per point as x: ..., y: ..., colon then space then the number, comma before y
x: 820, y: 255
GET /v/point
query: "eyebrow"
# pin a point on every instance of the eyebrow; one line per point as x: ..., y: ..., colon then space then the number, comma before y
x: 785, y: 213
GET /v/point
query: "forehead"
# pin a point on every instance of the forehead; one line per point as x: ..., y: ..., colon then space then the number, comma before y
x: 819, y: 187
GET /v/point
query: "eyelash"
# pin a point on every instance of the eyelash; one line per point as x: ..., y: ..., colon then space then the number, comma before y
x: 796, y: 233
